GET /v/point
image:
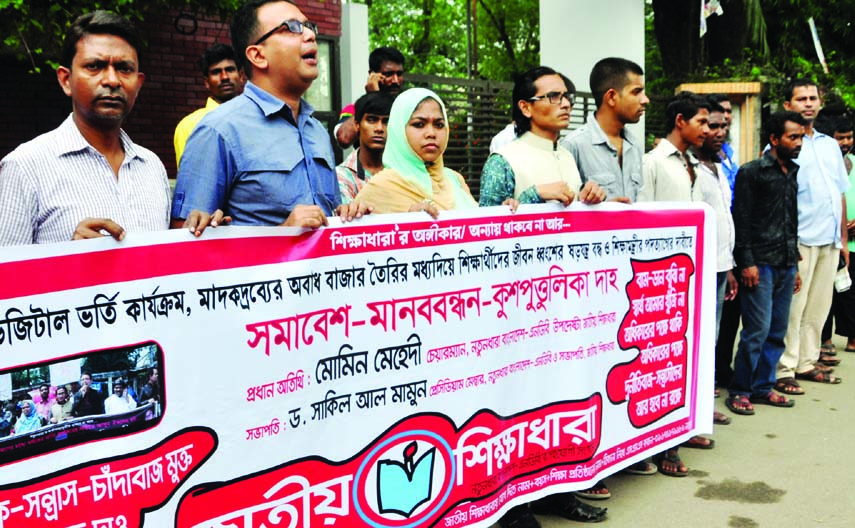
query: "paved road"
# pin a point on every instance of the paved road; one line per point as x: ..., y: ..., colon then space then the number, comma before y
x: 779, y: 468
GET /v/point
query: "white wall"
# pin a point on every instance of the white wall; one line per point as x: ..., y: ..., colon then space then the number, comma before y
x: 354, y: 51
x: 575, y: 34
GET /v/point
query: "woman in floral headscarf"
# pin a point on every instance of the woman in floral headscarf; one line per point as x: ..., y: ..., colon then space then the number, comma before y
x: 414, y: 177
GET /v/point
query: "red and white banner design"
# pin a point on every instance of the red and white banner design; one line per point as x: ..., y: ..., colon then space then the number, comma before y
x: 394, y: 372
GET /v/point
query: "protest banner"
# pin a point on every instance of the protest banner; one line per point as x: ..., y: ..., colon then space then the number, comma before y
x: 394, y: 372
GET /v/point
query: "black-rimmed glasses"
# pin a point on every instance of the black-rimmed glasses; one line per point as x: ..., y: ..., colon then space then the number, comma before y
x: 293, y: 26
x: 555, y: 97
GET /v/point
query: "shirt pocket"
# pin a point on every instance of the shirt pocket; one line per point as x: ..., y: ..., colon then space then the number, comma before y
x: 276, y: 178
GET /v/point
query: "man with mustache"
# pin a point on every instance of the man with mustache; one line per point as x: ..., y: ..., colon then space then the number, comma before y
x: 262, y: 157
x: 61, y: 410
x: 766, y: 219
x: 385, y: 74
x: 224, y: 80
x: 86, y: 178
x: 372, y: 119
x: 822, y: 242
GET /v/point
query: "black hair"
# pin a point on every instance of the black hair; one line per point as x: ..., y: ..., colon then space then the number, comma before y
x: 843, y: 123
x: 687, y: 104
x: 714, y: 105
x: 611, y: 73
x: 798, y: 82
x: 524, y: 90
x: 383, y: 54
x: 218, y: 52
x: 98, y: 23
x: 244, y: 27
x: 377, y: 103
x: 718, y: 98
x: 775, y: 125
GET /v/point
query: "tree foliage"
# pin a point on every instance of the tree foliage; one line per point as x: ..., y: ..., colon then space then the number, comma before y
x: 768, y: 40
x: 32, y: 29
x: 434, y: 35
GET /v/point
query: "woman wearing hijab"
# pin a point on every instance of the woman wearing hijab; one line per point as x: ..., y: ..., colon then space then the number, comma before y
x: 414, y: 177
x: 29, y: 420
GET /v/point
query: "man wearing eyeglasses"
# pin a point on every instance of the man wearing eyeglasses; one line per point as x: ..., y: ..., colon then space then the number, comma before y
x: 385, y: 74
x: 262, y: 157
x: 534, y: 168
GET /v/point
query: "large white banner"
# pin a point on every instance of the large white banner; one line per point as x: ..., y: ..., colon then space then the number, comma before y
x: 395, y: 372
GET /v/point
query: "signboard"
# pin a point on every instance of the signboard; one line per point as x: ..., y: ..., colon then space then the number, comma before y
x: 395, y: 372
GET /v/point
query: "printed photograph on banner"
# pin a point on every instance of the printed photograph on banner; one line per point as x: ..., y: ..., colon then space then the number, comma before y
x: 87, y: 397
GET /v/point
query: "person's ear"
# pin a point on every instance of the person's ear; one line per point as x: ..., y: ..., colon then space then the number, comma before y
x: 63, y: 75
x: 525, y: 108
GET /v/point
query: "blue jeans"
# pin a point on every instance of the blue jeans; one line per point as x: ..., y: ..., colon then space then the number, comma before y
x: 765, y: 315
x: 720, y: 284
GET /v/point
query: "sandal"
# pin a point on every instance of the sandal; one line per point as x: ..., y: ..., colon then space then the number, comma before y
x: 829, y: 348
x: 720, y: 418
x: 823, y: 368
x: 849, y: 349
x: 641, y: 468
x: 826, y: 359
x: 598, y: 491
x: 717, y: 393
x: 789, y: 386
x: 739, y: 404
x: 566, y: 505
x: 673, y: 458
x: 699, y: 442
x: 818, y: 376
x: 775, y: 400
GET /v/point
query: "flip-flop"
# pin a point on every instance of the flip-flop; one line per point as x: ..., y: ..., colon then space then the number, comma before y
x: 826, y: 359
x: 849, y: 349
x: 674, y: 458
x: 818, y: 376
x: 641, y: 468
x: 697, y: 442
x: 720, y: 418
x: 789, y: 386
x: 598, y: 491
x: 775, y: 400
x: 746, y: 410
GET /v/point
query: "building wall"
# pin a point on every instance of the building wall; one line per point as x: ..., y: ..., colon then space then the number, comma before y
x: 33, y: 104
x: 575, y: 35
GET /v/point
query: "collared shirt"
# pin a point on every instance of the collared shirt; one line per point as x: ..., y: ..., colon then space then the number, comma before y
x: 850, y: 198
x: 253, y: 161
x: 48, y: 185
x: 667, y: 176
x: 765, y: 213
x: 822, y: 182
x: 186, y: 126
x: 351, y: 177
x: 597, y: 159
x: 716, y: 192
x: 730, y: 167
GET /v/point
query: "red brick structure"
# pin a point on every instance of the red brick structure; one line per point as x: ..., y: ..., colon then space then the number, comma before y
x: 33, y: 104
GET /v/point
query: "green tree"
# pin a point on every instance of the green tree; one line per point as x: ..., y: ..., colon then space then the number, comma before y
x: 753, y: 40
x: 435, y: 35
x: 31, y: 29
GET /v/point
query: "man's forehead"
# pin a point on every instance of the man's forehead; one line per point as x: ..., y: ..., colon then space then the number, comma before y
x: 223, y: 65
x: 97, y: 45
x: 550, y: 82
x: 269, y: 15
x: 801, y: 92
x: 390, y: 65
x: 716, y: 117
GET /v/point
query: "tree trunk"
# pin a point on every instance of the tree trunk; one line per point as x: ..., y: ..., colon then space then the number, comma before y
x: 677, y: 26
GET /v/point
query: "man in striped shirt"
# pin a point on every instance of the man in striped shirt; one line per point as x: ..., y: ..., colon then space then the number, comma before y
x: 86, y: 178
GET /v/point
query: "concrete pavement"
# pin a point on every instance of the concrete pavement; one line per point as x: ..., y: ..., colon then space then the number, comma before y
x: 779, y: 468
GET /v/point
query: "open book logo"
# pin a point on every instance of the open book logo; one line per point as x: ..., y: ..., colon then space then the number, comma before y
x: 404, y: 486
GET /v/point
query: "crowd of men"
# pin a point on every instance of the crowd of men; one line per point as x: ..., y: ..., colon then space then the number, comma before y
x: 64, y: 402
x: 781, y: 220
